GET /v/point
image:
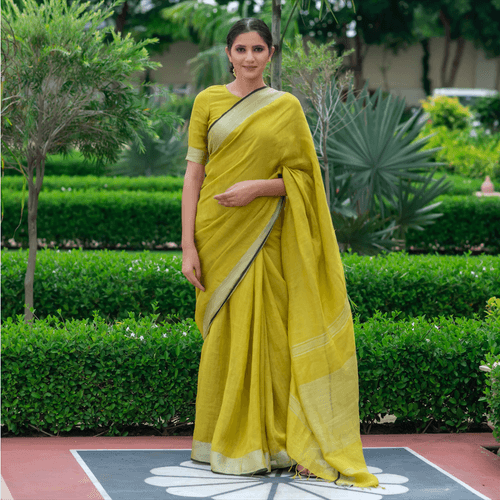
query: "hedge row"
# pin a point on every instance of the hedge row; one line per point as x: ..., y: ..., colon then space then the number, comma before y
x: 58, y: 376
x: 116, y: 283
x: 139, y: 220
x: 89, y: 182
x: 460, y: 185
x: 96, y: 219
x: 468, y: 222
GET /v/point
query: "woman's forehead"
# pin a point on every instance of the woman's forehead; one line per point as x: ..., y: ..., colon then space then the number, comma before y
x: 251, y: 38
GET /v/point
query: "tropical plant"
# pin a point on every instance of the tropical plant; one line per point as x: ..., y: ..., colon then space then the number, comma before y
x: 64, y: 87
x: 377, y: 179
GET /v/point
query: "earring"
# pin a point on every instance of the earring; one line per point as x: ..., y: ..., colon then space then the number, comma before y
x: 234, y: 73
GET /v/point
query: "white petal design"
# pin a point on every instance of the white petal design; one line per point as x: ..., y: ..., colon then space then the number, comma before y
x: 332, y: 492
x: 260, y: 492
x: 190, y: 479
x: 194, y: 465
x: 392, y: 479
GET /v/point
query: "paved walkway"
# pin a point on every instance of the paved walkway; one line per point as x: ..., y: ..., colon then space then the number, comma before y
x: 48, y: 468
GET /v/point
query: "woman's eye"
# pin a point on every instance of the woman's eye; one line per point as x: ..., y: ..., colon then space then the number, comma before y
x: 240, y: 49
x: 259, y: 49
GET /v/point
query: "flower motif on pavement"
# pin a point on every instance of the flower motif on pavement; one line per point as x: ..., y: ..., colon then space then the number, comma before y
x: 191, y: 479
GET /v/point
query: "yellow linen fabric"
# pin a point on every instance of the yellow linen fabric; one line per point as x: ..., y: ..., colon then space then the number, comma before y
x: 278, y: 379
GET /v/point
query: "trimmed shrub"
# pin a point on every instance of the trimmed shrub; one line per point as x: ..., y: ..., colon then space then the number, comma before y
x: 90, y: 182
x: 58, y: 376
x: 140, y: 220
x: 71, y: 164
x: 423, y: 372
x: 93, y: 219
x: 116, y: 283
x: 467, y: 222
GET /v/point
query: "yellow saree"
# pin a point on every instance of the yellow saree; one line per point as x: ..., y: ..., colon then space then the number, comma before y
x: 278, y: 380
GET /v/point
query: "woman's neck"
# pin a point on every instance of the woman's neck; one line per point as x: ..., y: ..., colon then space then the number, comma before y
x: 241, y: 87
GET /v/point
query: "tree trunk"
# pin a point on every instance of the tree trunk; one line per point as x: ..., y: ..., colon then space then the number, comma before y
x: 449, y: 80
x: 276, y: 60
x: 35, y: 164
x: 121, y: 18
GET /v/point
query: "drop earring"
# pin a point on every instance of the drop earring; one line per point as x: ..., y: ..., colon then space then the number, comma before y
x: 234, y: 73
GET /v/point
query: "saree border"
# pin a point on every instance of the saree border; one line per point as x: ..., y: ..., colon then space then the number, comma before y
x: 234, y: 105
x: 221, y: 295
x: 231, y: 120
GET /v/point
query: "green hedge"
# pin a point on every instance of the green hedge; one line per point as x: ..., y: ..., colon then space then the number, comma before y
x: 468, y: 222
x: 58, y: 376
x: 90, y: 182
x: 97, y: 219
x: 73, y: 164
x: 113, y: 283
x: 138, y: 220
x: 116, y: 283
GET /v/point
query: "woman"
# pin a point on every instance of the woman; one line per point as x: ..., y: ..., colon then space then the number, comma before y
x: 278, y: 382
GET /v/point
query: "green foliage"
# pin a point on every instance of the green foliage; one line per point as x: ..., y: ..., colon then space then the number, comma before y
x: 487, y: 111
x: 92, y: 183
x: 468, y: 152
x: 59, y: 376
x: 447, y: 111
x: 468, y: 222
x: 161, y: 154
x: 65, y: 86
x: 116, y: 283
x: 71, y: 164
x: 377, y: 179
x: 99, y: 219
x: 423, y: 372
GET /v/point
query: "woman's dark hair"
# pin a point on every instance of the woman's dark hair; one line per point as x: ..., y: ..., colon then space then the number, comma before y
x: 248, y: 25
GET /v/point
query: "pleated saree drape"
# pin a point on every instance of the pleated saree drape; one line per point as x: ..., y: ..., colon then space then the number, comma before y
x: 278, y: 380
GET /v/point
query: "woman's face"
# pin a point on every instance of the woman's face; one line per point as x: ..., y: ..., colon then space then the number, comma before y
x: 249, y: 55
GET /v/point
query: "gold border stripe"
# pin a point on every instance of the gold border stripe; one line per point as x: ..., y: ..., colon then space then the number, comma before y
x: 231, y: 120
x: 196, y: 155
x: 319, y: 341
x: 228, y: 286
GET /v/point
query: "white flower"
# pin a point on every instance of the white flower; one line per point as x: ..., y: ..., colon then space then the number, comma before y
x: 184, y: 333
x: 63, y: 189
x: 427, y: 340
x: 69, y: 189
x: 436, y: 327
x: 484, y: 269
x: 127, y: 329
x: 164, y: 335
x: 141, y: 337
x: 195, y: 480
x: 132, y: 334
x: 413, y: 323
x: 130, y: 269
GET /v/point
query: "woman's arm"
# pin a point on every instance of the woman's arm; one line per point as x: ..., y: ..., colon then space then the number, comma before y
x: 193, y: 179
x: 242, y: 193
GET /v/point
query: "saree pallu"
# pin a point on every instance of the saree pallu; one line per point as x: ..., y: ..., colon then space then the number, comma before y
x: 278, y: 381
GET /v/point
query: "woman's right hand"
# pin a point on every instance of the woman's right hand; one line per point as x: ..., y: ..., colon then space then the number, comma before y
x: 191, y: 267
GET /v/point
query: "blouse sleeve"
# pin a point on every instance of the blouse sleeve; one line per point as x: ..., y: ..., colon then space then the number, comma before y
x: 198, y: 127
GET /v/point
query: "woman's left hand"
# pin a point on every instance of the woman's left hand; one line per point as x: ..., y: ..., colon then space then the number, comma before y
x: 238, y: 195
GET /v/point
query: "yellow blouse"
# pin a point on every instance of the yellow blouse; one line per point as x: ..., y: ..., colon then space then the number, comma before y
x: 209, y: 105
